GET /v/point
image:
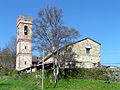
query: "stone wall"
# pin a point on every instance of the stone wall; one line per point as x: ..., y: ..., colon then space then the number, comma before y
x: 24, y: 43
x: 89, y: 59
x: 75, y: 54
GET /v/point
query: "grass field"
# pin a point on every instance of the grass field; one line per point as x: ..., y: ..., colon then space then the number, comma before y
x: 63, y: 84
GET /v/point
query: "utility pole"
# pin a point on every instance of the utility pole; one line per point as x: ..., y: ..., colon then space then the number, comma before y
x: 43, y: 71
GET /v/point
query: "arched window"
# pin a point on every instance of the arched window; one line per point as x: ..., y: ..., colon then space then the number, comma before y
x: 25, y: 30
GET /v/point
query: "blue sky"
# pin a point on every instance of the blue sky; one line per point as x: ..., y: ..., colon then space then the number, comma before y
x: 97, y: 19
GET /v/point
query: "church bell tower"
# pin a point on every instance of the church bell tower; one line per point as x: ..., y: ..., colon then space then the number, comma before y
x: 24, y: 43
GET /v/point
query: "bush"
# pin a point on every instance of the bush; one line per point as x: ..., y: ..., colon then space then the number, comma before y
x: 4, y: 71
x: 12, y: 72
x: 83, y: 73
x: 16, y: 77
x: 79, y: 73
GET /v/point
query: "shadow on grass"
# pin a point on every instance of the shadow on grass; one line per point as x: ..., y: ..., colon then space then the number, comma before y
x: 5, y: 84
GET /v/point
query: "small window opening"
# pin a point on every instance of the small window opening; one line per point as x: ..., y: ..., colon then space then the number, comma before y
x: 94, y: 64
x: 25, y: 47
x: 26, y: 30
x: 87, y: 50
x: 25, y: 62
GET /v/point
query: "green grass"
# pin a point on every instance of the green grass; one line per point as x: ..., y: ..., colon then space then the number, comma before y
x: 63, y: 84
x: 74, y: 84
x: 10, y: 84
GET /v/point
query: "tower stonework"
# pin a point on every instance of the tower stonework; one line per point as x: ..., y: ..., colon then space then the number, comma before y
x: 24, y: 43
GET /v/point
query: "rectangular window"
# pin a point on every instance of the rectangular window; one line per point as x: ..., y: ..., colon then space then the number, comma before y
x: 25, y: 62
x: 87, y: 50
x: 25, y: 47
x: 94, y: 64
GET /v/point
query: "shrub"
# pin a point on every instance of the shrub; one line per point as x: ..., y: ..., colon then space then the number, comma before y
x: 12, y: 72
x: 83, y: 73
x: 4, y: 71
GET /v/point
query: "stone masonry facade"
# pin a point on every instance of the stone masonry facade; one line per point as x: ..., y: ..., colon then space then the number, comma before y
x: 83, y: 54
x: 24, y: 43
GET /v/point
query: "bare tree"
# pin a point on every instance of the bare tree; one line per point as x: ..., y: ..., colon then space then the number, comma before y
x: 67, y: 57
x: 11, y: 47
x: 50, y: 34
x: 5, y: 59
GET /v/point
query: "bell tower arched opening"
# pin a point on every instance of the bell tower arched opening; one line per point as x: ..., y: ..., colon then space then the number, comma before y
x: 25, y: 30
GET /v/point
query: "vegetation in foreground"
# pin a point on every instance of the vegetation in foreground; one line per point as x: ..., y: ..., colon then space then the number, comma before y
x: 72, y: 79
x: 63, y: 84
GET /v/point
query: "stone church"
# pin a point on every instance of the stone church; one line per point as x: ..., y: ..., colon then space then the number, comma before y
x: 84, y: 53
